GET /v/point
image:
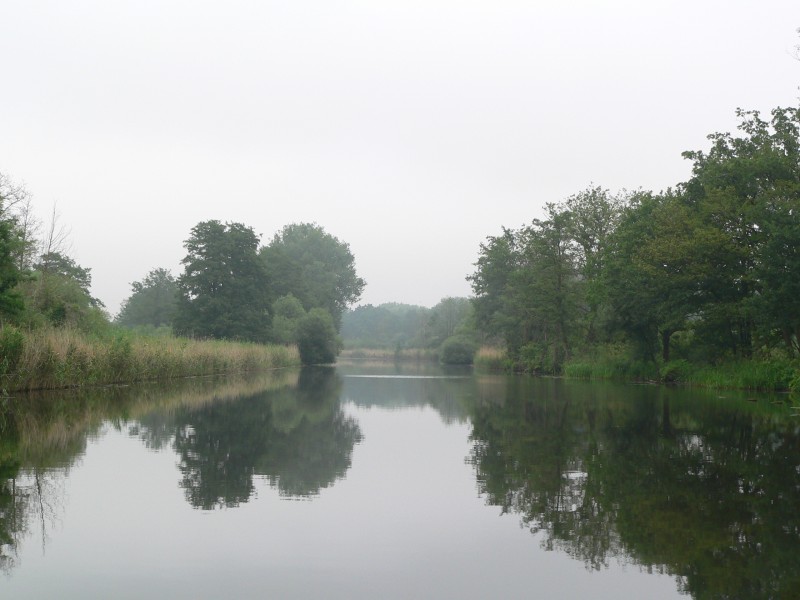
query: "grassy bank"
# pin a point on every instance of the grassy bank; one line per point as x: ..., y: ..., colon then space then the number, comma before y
x: 59, y: 358
x: 754, y: 374
x: 614, y: 363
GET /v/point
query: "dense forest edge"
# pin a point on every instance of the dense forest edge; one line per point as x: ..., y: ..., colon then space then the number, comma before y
x: 697, y: 284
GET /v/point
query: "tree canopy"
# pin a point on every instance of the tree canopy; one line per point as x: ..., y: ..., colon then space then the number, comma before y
x: 714, y: 260
x: 10, y: 244
x: 315, y: 267
x: 223, y: 291
x: 153, y: 301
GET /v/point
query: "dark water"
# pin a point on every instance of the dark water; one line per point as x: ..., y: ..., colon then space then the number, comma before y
x: 383, y: 482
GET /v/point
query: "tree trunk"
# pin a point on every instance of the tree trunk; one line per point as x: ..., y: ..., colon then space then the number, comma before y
x: 666, y: 334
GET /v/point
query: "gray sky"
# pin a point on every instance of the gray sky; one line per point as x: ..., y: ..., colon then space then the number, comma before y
x: 409, y: 129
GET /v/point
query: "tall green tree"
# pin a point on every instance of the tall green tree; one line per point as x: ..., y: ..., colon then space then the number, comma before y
x: 58, y: 264
x: 315, y: 267
x: 153, y: 301
x: 651, y: 274
x: 223, y: 291
x: 11, y: 303
x: 592, y: 216
x: 777, y: 306
x: 499, y: 259
x: 528, y: 290
x: 11, y: 243
x: 739, y: 188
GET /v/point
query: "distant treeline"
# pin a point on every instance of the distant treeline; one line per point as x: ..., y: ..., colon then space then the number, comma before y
x: 705, y: 273
x: 446, y: 331
x: 394, y: 325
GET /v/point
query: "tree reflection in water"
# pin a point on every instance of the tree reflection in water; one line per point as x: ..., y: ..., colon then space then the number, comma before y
x: 705, y: 490
x: 226, y: 432
x: 297, y: 438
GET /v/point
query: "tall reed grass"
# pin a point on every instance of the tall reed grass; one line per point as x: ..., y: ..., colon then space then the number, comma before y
x: 60, y: 358
x: 489, y: 358
x: 388, y: 355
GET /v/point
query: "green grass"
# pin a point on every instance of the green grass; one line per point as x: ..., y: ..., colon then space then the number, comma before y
x: 613, y: 363
x: 59, y: 358
x: 774, y: 374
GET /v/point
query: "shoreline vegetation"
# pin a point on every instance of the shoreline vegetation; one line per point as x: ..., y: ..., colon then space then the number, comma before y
x: 774, y: 375
x: 58, y: 358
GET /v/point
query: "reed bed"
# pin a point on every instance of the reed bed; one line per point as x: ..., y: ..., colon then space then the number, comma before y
x: 389, y: 355
x: 62, y: 358
x: 490, y: 358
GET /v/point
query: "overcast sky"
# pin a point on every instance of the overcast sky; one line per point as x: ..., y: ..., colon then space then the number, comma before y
x: 411, y: 130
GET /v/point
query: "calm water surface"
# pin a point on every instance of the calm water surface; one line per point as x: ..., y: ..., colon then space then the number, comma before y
x: 398, y: 482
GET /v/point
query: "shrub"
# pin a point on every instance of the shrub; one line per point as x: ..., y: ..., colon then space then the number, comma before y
x: 675, y: 371
x: 11, y: 345
x: 317, y: 339
x: 457, y: 350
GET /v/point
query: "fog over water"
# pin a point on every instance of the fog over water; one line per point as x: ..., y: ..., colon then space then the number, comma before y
x: 411, y: 130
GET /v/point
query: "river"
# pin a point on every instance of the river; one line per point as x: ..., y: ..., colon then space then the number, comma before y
x: 384, y: 481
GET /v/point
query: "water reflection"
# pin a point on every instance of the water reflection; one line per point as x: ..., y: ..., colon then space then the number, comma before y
x: 706, y: 490
x: 450, y: 390
x: 286, y: 428
x: 297, y: 438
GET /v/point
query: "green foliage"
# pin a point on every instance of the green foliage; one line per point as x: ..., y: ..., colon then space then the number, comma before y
x: 11, y: 303
x: 390, y: 325
x: 315, y: 267
x: 152, y: 303
x: 55, y: 298
x: 61, y: 266
x: 11, y: 345
x: 457, y: 350
x: 676, y: 371
x: 771, y: 375
x: 709, y: 269
x: 223, y: 290
x: 317, y: 339
x: 287, y: 313
x: 529, y: 293
x: 612, y: 362
x: 451, y: 316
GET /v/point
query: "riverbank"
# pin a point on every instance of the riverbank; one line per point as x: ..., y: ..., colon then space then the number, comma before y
x: 772, y: 375
x: 776, y: 375
x: 387, y: 355
x: 52, y: 358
